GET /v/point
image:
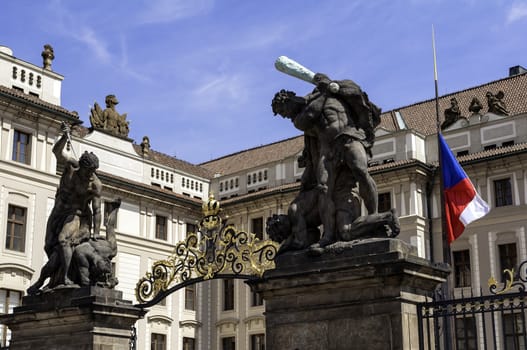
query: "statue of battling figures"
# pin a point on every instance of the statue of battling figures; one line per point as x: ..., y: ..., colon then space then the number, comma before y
x: 77, y: 254
x: 338, y: 121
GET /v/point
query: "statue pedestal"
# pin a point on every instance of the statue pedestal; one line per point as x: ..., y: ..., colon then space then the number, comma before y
x: 73, y: 318
x: 353, y: 296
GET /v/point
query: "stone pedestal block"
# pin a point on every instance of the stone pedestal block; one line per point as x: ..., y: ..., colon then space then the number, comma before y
x: 355, y: 295
x: 73, y: 318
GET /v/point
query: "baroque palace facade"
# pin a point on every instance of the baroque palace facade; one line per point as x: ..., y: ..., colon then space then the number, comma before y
x: 162, y: 197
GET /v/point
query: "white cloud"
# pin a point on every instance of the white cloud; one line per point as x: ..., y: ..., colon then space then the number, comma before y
x: 517, y: 12
x: 220, y: 92
x: 88, y: 36
x: 162, y: 11
x: 125, y: 67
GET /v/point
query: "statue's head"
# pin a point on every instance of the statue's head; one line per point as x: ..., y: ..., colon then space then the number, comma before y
x: 89, y: 161
x: 287, y: 104
x: 278, y: 227
x: 322, y: 81
x: 111, y: 100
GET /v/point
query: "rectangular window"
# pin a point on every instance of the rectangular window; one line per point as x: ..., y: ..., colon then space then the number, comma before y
x: 503, y: 192
x: 16, y: 228
x: 189, y: 343
x: 228, y: 343
x: 190, y: 297
x: 191, y: 228
x: 228, y: 294
x: 462, y: 274
x: 385, y: 202
x: 258, y: 342
x: 257, y: 227
x: 489, y: 147
x: 508, y: 258
x: 256, y: 299
x: 108, y: 206
x: 158, y: 341
x: 514, y: 331
x: 22, y: 147
x: 9, y: 299
x: 161, y: 227
x: 466, y: 333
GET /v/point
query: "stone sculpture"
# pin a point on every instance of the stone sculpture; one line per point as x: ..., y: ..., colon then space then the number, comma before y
x: 453, y: 115
x: 92, y: 259
x: 496, y: 104
x: 109, y: 120
x: 338, y: 121
x: 145, y: 145
x: 74, y: 224
x: 475, y: 106
x: 48, y: 56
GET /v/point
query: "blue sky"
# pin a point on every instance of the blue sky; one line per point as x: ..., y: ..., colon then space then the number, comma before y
x: 198, y: 76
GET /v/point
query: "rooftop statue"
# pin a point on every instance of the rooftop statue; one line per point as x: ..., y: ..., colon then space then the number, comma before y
x: 496, y: 104
x: 338, y: 121
x: 452, y: 115
x: 109, y: 120
x: 77, y: 255
x: 145, y: 145
x: 48, y: 56
x: 475, y: 106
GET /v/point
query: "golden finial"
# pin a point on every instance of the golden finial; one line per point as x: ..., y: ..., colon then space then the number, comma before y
x: 211, y: 207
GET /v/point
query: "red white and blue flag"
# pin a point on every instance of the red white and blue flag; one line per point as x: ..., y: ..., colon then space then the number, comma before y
x: 463, y: 204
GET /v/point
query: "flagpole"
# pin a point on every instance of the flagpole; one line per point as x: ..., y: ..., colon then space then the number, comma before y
x: 446, y: 246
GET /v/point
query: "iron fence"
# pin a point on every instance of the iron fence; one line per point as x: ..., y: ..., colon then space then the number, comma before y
x: 492, y: 322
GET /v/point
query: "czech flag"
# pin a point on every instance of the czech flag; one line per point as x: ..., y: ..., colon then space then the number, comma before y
x: 463, y: 204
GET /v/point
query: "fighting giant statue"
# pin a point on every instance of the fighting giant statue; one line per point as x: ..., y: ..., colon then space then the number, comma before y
x: 77, y: 254
x: 338, y: 121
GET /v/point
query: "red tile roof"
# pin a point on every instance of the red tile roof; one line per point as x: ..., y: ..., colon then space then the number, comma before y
x: 255, y: 157
x: 421, y: 116
x: 175, y: 163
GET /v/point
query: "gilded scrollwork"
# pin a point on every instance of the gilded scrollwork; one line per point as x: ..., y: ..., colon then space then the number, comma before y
x: 216, y: 250
x: 512, y: 279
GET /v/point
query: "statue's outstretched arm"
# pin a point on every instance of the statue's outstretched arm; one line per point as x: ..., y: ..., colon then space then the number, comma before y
x: 59, y: 149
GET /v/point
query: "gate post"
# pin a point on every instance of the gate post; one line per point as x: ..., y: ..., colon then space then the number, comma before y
x: 356, y: 295
x: 73, y: 318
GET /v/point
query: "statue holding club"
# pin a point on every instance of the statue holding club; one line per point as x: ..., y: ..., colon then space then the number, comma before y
x: 338, y: 121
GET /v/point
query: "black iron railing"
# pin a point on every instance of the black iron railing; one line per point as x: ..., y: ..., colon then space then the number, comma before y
x: 493, y: 321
